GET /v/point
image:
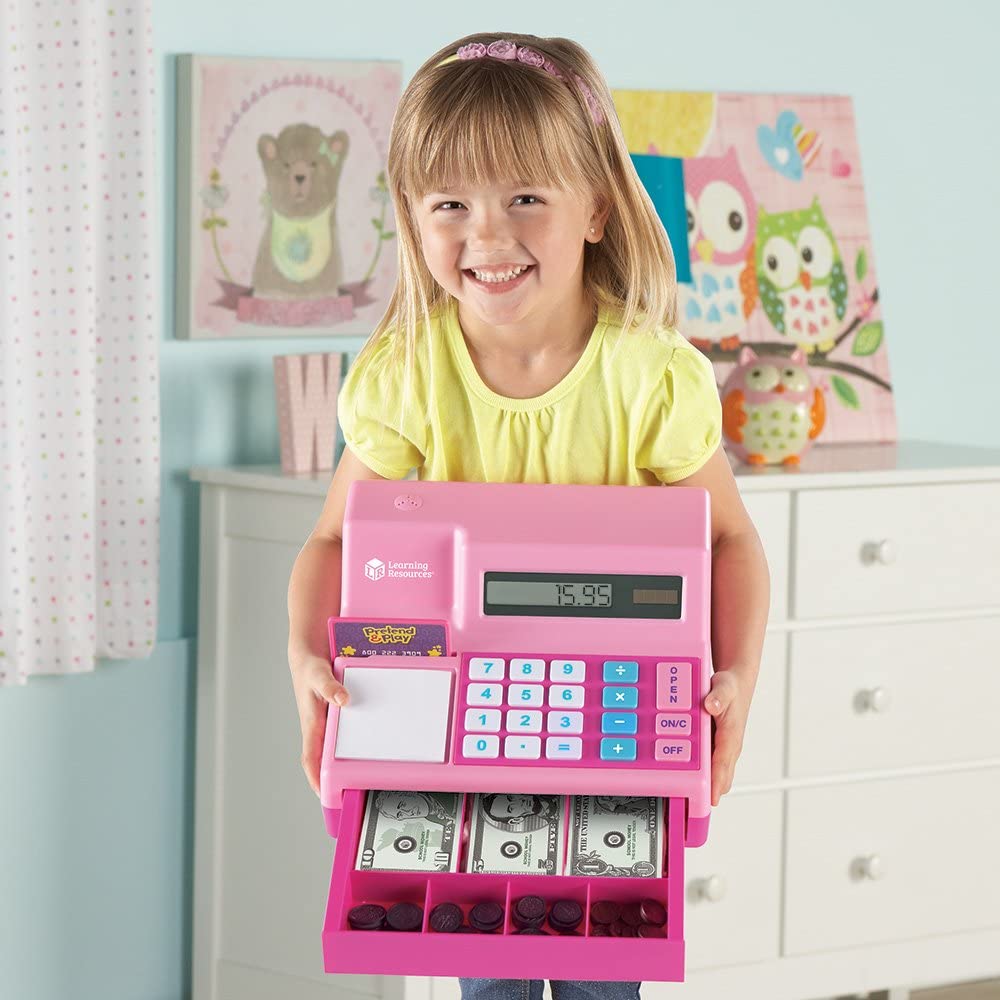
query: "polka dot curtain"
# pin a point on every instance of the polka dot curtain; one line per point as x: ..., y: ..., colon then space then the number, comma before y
x: 79, y: 389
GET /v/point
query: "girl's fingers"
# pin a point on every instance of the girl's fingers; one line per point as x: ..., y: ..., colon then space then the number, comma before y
x: 312, y: 749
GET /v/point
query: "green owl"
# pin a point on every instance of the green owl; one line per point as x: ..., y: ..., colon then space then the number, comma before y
x: 800, y: 277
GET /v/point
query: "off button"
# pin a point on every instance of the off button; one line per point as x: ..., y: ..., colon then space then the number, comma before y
x: 668, y: 750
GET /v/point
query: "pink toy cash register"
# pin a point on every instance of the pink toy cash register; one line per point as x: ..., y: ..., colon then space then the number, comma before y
x: 526, y: 639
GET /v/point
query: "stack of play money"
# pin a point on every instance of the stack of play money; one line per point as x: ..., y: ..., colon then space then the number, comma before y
x: 516, y: 834
x: 411, y: 831
x: 616, y: 835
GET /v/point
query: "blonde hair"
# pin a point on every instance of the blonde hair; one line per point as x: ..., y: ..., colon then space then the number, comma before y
x: 489, y: 121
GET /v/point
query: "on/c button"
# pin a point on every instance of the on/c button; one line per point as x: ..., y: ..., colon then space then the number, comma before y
x: 667, y: 750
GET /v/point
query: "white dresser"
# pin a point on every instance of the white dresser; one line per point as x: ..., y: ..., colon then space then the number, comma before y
x: 857, y: 849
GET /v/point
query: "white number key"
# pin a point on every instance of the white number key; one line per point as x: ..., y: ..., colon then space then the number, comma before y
x: 481, y: 746
x: 484, y: 668
x: 568, y: 671
x: 482, y: 720
x: 565, y: 722
x: 527, y: 670
x: 523, y: 722
x: 485, y: 694
x: 525, y: 695
x: 563, y: 696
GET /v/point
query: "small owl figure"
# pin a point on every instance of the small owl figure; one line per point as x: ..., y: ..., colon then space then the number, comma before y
x: 771, y: 410
x: 721, y: 221
x: 800, y: 277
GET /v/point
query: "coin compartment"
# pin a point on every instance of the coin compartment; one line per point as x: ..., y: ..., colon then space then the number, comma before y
x: 465, y: 890
x: 550, y: 888
x: 633, y: 890
x: 385, y: 889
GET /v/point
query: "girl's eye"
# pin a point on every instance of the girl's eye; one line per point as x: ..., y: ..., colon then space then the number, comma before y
x: 516, y: 198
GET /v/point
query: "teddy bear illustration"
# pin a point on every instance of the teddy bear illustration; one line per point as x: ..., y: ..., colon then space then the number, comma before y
x: 299, y: 254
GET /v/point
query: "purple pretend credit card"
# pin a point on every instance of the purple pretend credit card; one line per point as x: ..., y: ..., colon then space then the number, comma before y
x: 390, y: 638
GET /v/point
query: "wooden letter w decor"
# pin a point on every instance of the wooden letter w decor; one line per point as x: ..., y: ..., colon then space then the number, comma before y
x: 306, y: 388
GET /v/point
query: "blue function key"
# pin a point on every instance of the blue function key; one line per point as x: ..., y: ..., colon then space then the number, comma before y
x: 621, y: 671
x: 617, y: 749
x: 620, y: 697
x: 618, y: 722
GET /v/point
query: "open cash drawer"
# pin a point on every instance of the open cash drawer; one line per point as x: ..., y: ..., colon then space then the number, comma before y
x: 590, y: 953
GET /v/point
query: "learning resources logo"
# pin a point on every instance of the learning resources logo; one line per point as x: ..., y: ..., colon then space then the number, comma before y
x: 375, y: 569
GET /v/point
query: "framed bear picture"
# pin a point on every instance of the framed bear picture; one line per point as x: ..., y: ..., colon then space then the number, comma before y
x: 285, y: 226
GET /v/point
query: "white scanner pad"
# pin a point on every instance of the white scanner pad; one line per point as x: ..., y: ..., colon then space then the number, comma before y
x: 394, y: 714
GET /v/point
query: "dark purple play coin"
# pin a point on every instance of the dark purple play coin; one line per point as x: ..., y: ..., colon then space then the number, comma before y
x: 529, y: 910
x: 604, y: 911
x: 367, y: 917
x: 600, y: 930
x: 532, y: 930
x: 631, y: 914
x: 486, y: 916
x: 405, y: 917
x: 649, y: 931
x: 565, y: 914
x: 617, y: 927
x: 653, y: 912
x: 446, y: 918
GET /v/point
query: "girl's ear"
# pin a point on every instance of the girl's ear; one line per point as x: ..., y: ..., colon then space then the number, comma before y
x: 600, y: 217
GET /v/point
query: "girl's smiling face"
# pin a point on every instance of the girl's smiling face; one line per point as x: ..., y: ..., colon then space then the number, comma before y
x: 498, y: 229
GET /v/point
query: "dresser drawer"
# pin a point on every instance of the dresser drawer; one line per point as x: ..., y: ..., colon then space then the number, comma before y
x: 733, y: 888
x: 770, y: 513
x: 890, y: 860
x: 882, y: 696
x: 896, y: 548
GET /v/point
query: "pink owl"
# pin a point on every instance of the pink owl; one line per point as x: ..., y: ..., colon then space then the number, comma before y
x: 721, y: 226
x: 771, y: 409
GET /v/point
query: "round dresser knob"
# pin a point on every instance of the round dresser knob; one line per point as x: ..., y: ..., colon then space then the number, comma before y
x: 883, y: 552
x: 712, y: 888
x: 872, y: 867
x: 875, y: 700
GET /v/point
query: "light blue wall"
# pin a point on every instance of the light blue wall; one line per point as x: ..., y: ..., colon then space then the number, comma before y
x: 96, y: 771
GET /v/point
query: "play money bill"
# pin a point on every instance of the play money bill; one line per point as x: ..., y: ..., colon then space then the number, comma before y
x: 410, y: 831
x: 616, y: 835
x: 516, y: 834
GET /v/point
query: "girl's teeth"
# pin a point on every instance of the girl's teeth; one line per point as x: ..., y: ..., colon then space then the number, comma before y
x: 499, y: 277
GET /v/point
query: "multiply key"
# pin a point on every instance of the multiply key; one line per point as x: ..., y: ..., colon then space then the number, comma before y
x: 620, y: 697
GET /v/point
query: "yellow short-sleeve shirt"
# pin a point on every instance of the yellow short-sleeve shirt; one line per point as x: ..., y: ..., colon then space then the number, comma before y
x: 636, y: 409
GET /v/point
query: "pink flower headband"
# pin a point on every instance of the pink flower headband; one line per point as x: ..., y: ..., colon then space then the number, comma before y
x: 503, y: 49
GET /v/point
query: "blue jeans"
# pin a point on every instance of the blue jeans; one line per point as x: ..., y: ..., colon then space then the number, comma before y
x: 531, y: 989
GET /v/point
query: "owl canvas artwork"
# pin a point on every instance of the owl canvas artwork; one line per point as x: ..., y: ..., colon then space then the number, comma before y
x: 777, y: 259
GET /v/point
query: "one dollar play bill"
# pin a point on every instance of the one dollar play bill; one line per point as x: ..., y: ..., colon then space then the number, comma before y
x: 411, y: 831
x: 616, y: 835
x: 516, y: 834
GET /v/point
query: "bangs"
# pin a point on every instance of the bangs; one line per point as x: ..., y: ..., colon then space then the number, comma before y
x: 493, y: 135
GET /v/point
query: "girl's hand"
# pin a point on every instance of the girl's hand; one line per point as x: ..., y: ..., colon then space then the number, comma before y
x: 728, y: 702
x: 315, y: 689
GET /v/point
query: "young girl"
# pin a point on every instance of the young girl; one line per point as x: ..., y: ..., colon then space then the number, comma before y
x: 530, y: 338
